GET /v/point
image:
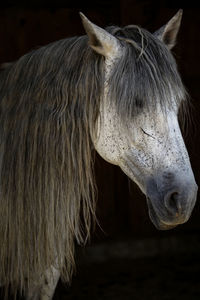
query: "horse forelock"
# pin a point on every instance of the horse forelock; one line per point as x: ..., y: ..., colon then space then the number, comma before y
x: 146, y: 74
x: 49, y: 102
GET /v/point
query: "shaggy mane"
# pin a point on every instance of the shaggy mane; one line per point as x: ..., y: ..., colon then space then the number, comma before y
x: 49, y: 101
x: 145, y: 76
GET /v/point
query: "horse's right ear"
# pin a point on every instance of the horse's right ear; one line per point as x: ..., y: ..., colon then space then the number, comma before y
x: 100, y: 40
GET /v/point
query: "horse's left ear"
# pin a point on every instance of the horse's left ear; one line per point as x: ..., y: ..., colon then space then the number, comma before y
x: 100, y: 40
x: 168, y: 32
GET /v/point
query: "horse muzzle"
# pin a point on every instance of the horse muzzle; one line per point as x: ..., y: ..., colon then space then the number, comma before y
x: 170, y: 201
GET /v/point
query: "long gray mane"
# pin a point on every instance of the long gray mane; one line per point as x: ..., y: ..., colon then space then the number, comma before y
x: 49, y: 102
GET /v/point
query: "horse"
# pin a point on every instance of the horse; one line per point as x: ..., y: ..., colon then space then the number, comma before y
x: 116, y: 91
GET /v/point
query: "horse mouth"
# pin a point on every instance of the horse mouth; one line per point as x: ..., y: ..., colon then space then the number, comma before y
x: 158, y: 223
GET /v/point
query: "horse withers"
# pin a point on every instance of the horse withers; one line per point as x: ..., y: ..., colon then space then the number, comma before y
x: 116, y: 90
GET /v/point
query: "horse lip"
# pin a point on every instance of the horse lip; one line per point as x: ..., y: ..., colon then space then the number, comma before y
x: 159, y: 224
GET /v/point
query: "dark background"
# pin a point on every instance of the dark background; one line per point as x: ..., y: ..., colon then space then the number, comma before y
x: 121, y: 208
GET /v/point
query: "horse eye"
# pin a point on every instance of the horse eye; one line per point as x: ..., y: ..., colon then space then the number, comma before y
x: 146, y: 133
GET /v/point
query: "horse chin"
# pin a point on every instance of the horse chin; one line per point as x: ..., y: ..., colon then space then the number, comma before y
x: 159, y: 224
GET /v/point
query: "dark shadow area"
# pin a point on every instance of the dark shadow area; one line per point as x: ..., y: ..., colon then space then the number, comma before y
x: 162, y: 269
x: 159, y: 278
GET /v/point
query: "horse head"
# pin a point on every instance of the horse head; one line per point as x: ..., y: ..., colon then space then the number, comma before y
x: 137, y: 127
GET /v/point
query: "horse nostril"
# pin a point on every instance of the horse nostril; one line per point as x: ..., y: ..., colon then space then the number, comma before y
x: 173, y: 198
x: 172, y: 202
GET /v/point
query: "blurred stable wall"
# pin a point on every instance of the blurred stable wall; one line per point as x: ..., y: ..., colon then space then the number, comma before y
x: 121, y: 208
